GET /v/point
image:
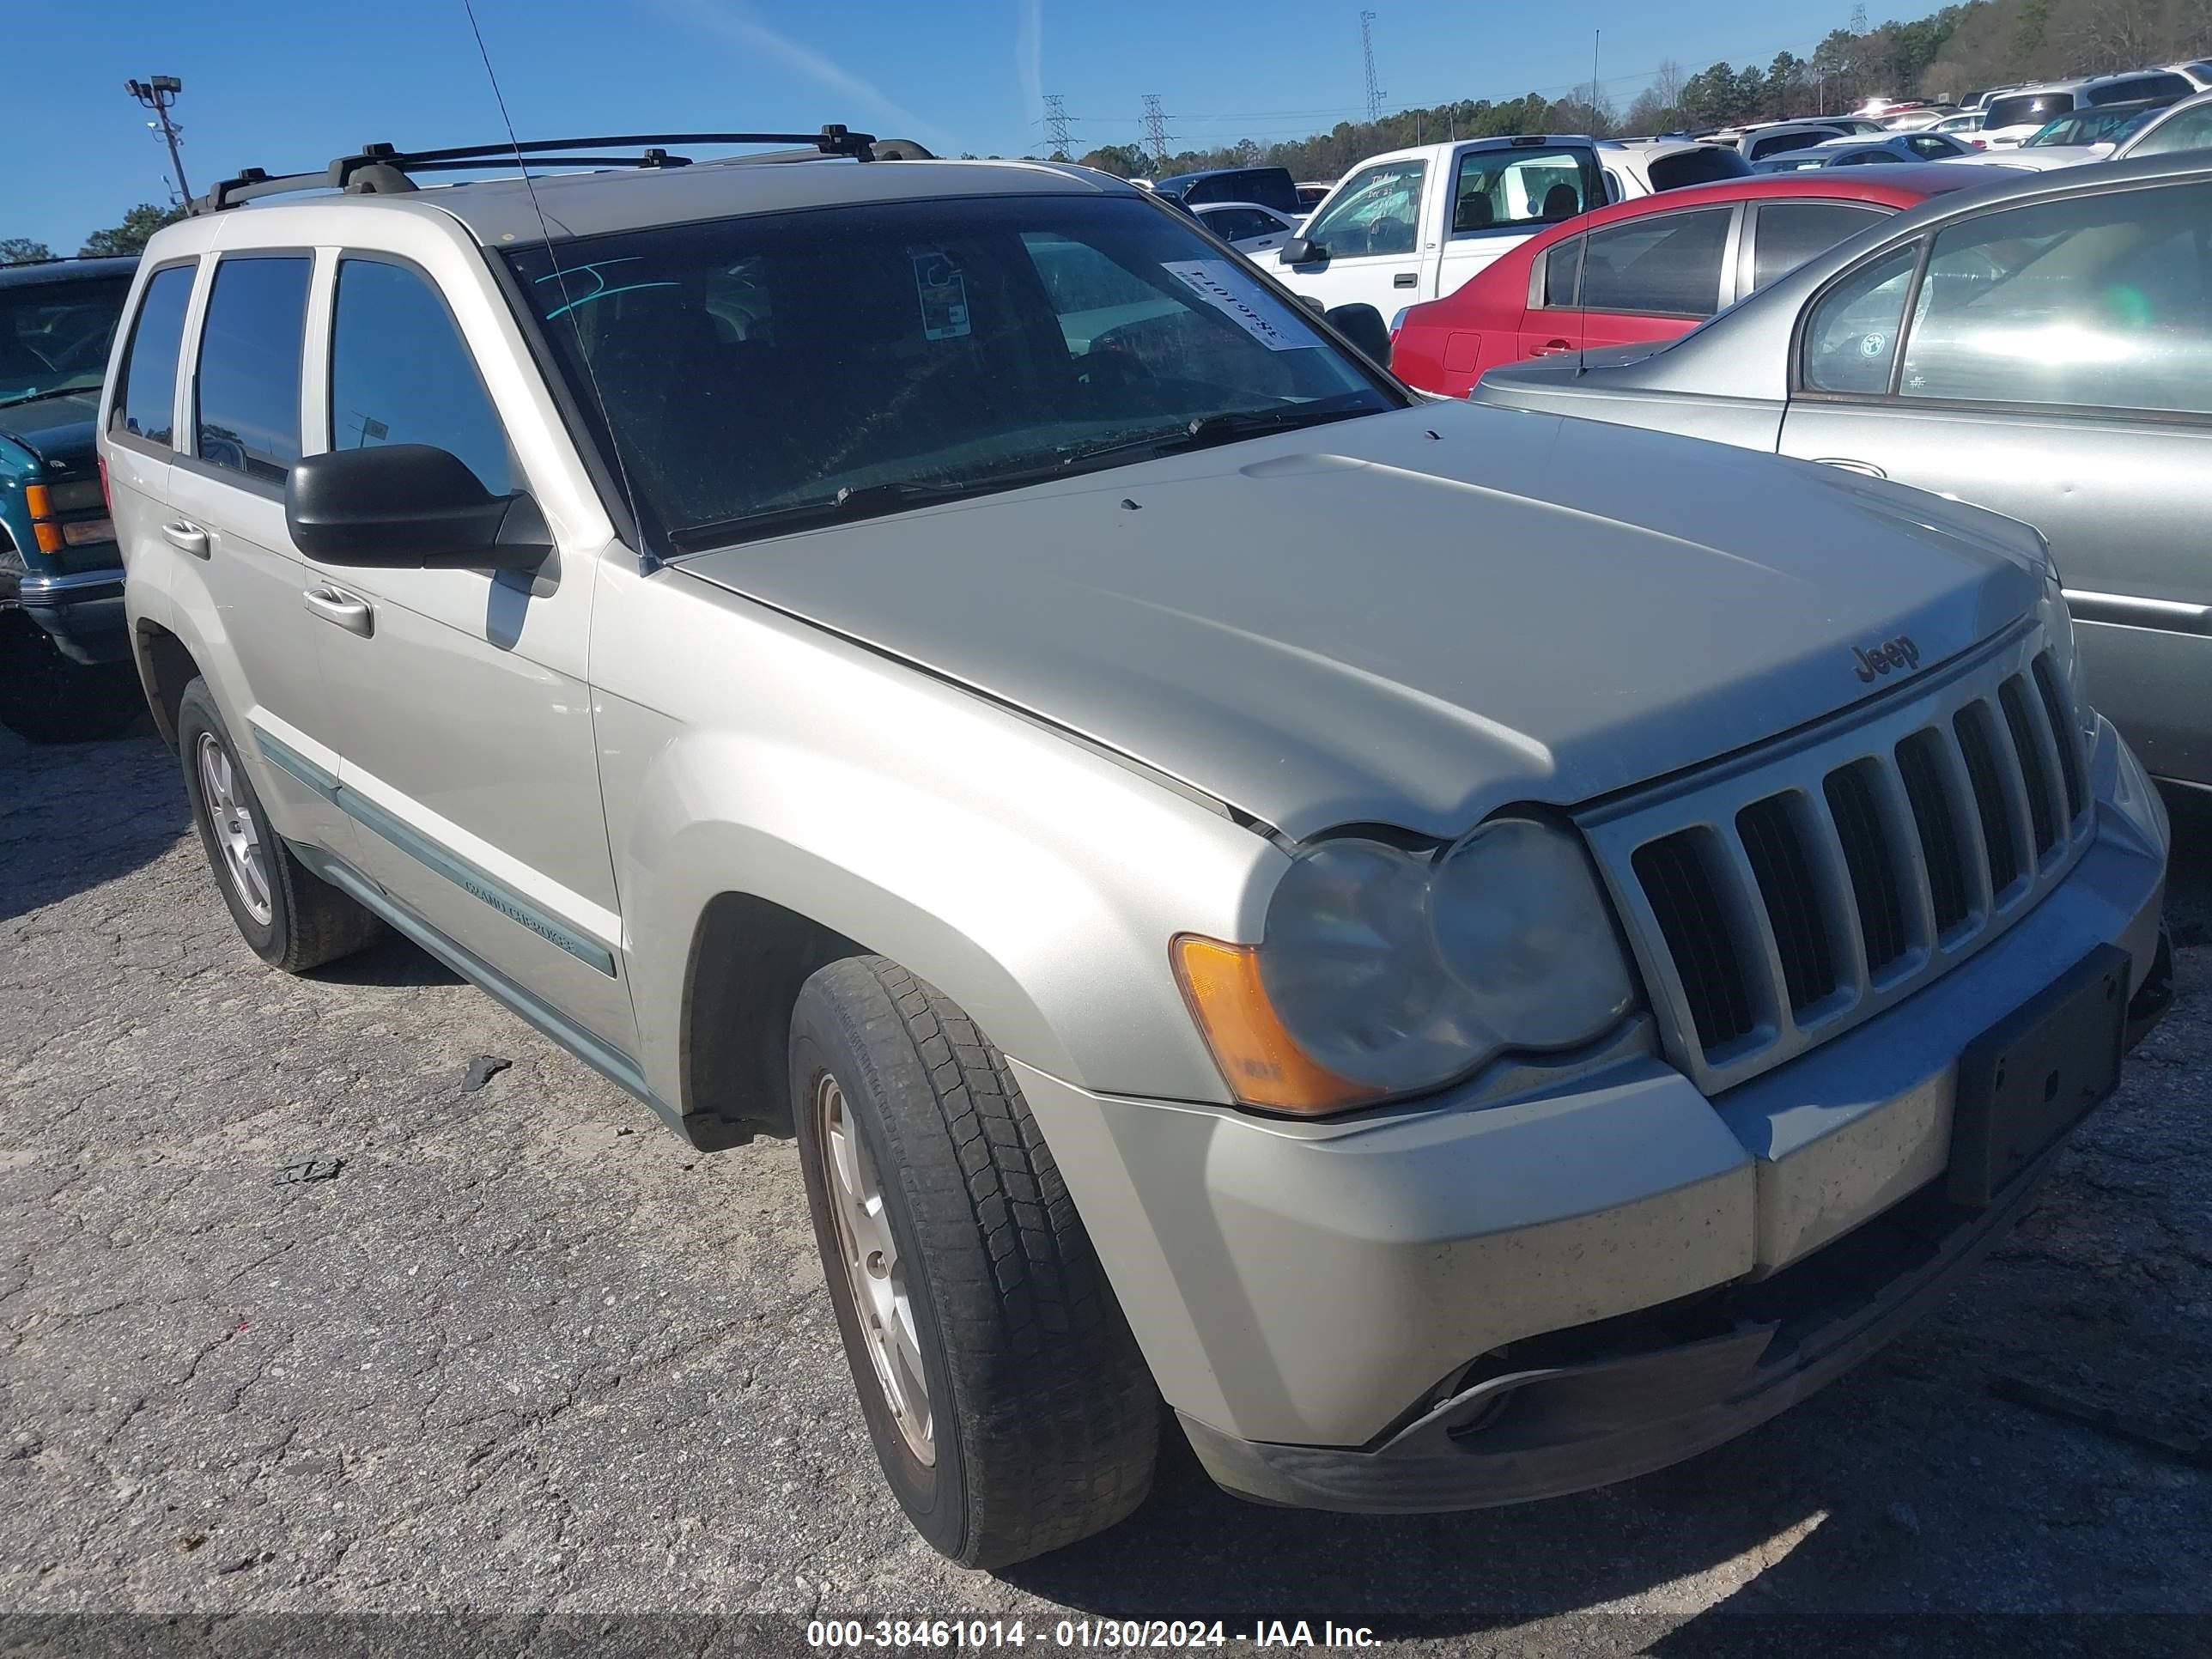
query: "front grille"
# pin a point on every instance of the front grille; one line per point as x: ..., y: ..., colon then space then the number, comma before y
x: 1784, y: 902
x: 1687, y: 902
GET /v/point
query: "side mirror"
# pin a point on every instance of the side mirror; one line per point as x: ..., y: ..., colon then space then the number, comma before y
x: 1298, y: 250
x: 409, y: 506
x: 1363, y: 326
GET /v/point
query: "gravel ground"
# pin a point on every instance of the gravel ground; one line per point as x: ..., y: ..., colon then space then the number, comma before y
x: 527, y: 1354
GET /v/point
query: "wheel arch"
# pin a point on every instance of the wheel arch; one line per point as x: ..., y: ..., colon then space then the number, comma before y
x: 165, y: 668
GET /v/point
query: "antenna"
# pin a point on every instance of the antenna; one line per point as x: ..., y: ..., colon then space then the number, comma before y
x: 1582, y: 236
x: 1156, y: 129
x: 567, y: 300
x: 1367, y: 51
x: 1055, y: 126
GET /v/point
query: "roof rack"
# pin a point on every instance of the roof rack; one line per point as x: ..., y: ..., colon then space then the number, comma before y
x: 383, y: 168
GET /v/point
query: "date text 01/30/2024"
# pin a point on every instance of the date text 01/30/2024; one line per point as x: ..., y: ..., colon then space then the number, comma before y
x: 1082, y: 1633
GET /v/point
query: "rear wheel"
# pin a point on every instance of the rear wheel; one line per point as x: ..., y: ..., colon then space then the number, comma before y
x: 46, y: 697
x: 292, y: 918
x: 1007, y: 1402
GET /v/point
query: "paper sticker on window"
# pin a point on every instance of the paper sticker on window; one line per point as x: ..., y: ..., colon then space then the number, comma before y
x: 1229, y: 291
x: 944, y: 293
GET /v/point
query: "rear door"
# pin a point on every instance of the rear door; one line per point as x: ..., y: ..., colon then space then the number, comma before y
x: 2057, y: 366
x: 142, y: 421
x: 1501, y: 197
x: 1652, y: 277
x: 227, y: 514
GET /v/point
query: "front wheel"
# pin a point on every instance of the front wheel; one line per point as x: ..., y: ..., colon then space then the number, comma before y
x: 1007, y: 1402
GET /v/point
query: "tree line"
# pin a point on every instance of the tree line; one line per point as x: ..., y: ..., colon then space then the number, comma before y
x: 131, y: 236
x: 1954, y: 52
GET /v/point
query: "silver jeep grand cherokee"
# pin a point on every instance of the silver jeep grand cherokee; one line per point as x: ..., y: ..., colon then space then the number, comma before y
x: 1472, y: 954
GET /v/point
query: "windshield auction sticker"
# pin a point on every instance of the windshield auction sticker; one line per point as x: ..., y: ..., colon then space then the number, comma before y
x: 944, y: 293
x: 1229, y: 291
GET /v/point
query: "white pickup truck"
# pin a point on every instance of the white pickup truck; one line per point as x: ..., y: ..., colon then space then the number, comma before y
x: 1415, y: 224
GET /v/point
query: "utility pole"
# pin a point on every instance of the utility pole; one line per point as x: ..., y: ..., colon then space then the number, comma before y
x: 1156, y: 129
x: 157, y: 95
x: 1367, y: 51
x: 1055, y: 124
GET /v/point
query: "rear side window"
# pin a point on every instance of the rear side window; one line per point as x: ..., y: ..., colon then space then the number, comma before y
x: 401, y: 374
x: 1762, y: 148
x: 1789, y: 233
x: 2169, y: 87
x: 1523, y: 187
x: 147, y: 407
x: 2190, y: 130
x: 1851, y: 340
x: 1668, y: 264
x: 248, y: 416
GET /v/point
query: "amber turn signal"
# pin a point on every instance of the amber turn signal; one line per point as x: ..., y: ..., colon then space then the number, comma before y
x: 1262, y: 1062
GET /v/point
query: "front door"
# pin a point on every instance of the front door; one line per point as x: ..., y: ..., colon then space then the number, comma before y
x: 1367, y: 240
x: 2057, y: 366
x: 465, y: 718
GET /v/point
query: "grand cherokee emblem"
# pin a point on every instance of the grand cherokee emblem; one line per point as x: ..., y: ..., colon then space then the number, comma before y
x: 1888, y: 658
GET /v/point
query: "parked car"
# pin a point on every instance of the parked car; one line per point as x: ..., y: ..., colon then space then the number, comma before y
x: 1965, y: 127
x: 1649, y: 269
x: 1271, y: 187
x: 2010, y: 121
x: 2042, y: 347
x: 2090, y: 133
x: 1858, y: 152
x: 1646, y: 167
x: 65, y: 672
x: 1414, y: 223
x: 1470, y: 1020
x: 2139, y: 87
x: 1246, y: 226
x: 1771, y: 138
x: 2184, y: 126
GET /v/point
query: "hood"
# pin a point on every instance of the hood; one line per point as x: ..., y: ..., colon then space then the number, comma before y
x: 57, y: 430
x: 1416, y: 617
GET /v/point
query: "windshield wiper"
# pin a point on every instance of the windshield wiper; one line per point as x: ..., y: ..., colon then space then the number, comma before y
x: 1208, y: 430
x: 35, y: 397
x: 853, y: 502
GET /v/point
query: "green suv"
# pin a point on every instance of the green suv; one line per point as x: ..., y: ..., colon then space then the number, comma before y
x: 65, y: 672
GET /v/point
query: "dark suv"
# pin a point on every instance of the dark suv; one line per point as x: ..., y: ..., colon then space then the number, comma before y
x: 65, y: 671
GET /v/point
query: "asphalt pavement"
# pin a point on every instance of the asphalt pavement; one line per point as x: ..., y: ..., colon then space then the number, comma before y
x: 350, y: 1295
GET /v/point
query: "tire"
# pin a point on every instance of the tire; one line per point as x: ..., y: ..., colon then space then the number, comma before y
x: 46, y: 697
x: 1042, y: 1419
x: 292, y: 918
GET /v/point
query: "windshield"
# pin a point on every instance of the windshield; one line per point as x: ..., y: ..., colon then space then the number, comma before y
x: 757, y: 370
x: 54, y: 335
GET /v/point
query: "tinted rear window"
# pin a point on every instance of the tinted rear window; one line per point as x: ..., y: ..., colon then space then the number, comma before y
x: 146, y: 405
x: 249, y: 380
x: 2027, y: 109
x: 1269, y: 186
x: 1790, y: 233
x: 2139, y: 85
x: 1705, y: 164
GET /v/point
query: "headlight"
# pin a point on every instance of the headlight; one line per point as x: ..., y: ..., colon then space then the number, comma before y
x: 1384, y: 972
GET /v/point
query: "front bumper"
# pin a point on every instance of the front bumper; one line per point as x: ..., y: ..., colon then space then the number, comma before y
x: 1650, y: 1271
x: 82, y: 612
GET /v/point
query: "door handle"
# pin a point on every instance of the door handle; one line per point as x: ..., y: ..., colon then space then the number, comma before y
x: 335, y: 605
x: 1404, y: 279
x: 184, y: 534
x: 1867, y: 469
x: 1552, y: 348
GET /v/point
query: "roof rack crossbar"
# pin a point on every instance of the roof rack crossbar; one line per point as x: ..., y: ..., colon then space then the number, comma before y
x: 253, y: 183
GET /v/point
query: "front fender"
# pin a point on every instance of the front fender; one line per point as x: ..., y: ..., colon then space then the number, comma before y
x: 1034, y: 882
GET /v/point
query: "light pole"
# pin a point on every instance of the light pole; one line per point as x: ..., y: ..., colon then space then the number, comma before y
x: 157, y: 95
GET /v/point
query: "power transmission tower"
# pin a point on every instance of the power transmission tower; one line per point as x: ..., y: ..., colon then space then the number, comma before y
x: 1055, y: 124
x: 1367, y: 50
x: 1156, y: 128
x: 157, y: 95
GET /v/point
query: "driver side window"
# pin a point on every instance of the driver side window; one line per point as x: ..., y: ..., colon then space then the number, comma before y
x: 1375, y: 212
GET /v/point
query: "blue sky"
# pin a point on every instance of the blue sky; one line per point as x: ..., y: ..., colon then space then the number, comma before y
x: 288, y: 86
